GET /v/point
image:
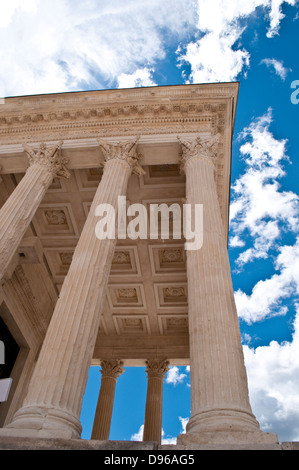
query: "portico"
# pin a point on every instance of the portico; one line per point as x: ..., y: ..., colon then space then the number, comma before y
x: 120, y: 301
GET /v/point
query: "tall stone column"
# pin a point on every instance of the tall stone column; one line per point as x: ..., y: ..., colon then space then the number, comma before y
x: 220, y: 408
x: 156, y: 370
x: 53, y: 403
x: 18, y: 211
x: 111, y: 370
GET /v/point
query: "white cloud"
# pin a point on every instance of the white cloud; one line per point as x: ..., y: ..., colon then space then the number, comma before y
x: 167, y: 440
x: 140, y: 78
x: 184, y: 422
x: 276, y: 15
x: 8, y: 9
x: 265, y: 299
x: 273, y: 381
x: 259, y: 207
x: 279, y: 68
x: 261, y: 213
x: 212, y: 58
x: 236, y: 241
x: 138, y: 436
x: 173, y: 440
x: 62, y: 45
x: 217, y: 55
x: 174, y: 376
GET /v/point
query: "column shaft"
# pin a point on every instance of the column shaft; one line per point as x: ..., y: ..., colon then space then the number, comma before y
x: 218, y: 372
x: 219, y: 391
x: 156, y: 370
x: 103, y: 416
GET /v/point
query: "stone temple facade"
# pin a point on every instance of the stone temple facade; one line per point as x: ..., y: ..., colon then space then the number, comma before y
x: 70, y: 299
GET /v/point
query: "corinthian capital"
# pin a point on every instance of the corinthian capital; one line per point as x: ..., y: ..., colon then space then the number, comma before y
x: 49, y: 158
x: 157, y: 368
x: 112, y: 368
x: 125, y: 151
x: 199, y: 147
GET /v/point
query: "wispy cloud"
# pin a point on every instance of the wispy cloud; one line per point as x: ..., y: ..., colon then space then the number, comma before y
x: 139, y: 78
x: 259, y: 207
x: 261, y: 213
x: 63, y: 45
x: 278, y: 66
x: 218, y: 55
x: 267, y: 295
x: 276, y: 15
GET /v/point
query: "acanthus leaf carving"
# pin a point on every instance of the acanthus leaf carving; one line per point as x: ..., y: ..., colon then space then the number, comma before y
x: 124, y: 151
x: 112, y: 368
x: 49, y: 158
x: 199, y: 148
x: 157, y: 368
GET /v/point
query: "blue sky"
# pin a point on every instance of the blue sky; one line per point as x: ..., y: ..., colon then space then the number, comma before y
x: 49, y: 46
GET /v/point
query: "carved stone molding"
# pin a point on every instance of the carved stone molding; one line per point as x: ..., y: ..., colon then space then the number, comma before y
x: 112, y: 368
x: 49, y: 158
x: 172, y: 255
x: 15, y: 119
x: 121, y: 257
x: 175, y: 292
x: 124, y: 151
x: 55, y: 217
x: 127, y: 293
x: 191, y: 108
x: 157, y: 368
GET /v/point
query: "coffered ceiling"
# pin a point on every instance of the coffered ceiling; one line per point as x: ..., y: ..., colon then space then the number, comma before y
x: 147, y: 291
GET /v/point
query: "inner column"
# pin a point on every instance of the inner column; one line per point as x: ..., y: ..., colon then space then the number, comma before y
x: 156, y: 370
x: 110, y: 370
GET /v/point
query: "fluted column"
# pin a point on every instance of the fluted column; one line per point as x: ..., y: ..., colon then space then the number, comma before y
x: 220, y: 408
x: 18, y: 211
x: 53, y: 403
x: 111, y: 370
x: 156, y: 370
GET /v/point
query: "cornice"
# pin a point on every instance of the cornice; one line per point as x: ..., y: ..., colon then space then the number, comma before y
x: 110, y: 121
x: 115, y: 112
x: 147, y: 94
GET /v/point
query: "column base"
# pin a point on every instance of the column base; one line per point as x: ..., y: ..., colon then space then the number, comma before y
x: 222, y: 419
x: 227, y: 438
x: 225, y: 426
x: 43, y: 422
